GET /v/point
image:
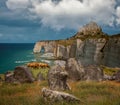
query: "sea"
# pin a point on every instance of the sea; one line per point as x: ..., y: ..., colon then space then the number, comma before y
x: 14, y: 54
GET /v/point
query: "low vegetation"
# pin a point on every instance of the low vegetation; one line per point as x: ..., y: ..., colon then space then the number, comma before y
x: 90, y: 93
x: 110, y: 71
x: 36, y: 71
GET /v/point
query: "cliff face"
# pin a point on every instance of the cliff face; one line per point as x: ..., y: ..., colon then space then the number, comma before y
x: 96, y: 50
x: 88, y: 52
x: 111, y: 52
x: 47, y: 46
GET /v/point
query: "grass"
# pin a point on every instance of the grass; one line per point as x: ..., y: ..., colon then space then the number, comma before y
x: 66, y: 42
x: 90, y: 93
x: 110, y: 71
x: 36, y: 71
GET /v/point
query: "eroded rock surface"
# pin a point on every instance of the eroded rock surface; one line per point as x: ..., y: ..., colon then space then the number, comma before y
x: 57, y: 78
x: 76, y: 71
x: 58, y: 96
x: 23, y: 74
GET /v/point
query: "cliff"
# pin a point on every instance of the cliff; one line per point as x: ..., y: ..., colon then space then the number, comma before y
x: 90, y: 46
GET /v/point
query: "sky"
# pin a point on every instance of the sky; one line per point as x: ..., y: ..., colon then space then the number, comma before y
x: 28, y: 21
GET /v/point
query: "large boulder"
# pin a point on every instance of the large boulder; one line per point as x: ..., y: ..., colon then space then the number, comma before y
x: 58, y: 96
x: 74, y: 70
x: 93, y: 73
x: 57, y: 78
x: 23, y: 74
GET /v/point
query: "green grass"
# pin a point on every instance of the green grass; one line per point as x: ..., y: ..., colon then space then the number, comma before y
x: 90, y: 93
x: 43, y: 71
x: 109, y: 71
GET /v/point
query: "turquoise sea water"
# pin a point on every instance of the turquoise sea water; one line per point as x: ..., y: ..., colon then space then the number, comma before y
x: 12, y: 55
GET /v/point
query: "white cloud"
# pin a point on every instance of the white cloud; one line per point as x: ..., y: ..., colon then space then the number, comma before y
x: 68, y: 13
x: 118, y: 15
x: 17, y: 4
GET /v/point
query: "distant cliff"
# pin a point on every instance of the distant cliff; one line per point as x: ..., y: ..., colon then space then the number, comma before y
x: 90, y: 46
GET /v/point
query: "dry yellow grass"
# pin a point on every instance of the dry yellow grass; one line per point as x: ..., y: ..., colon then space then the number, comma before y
x: 90, y: 93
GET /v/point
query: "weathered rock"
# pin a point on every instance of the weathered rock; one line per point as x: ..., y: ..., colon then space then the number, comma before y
x: 60, y: 62
x: 90, y: 29
x: 49, y: 46
x: 108, y: 77
x: 117, y: 76
x: 57, y: 78
x: 89, y: 52
x: 63, y: 52
x: 111, y: 52
x: 90, y: 46
x: 23, y: 74
x: 40, y: 77
x: 93, y: 73
x: 58, y: 96
x: 9, y: 77
x: 74, y: 70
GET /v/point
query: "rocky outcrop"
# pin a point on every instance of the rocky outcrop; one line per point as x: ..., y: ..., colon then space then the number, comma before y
x: 93, y: 73
x: 90, y: 29
x: 63, y: 52
x: 90, y: 46
x: 62, y: 63
x: 47, y: 46
x: 57, y: 78
x: 111, y: 52
x: 76, y: 71
x: 89, y: 52
x: 55, y: 96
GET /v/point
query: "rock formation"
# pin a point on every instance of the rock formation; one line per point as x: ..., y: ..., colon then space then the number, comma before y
x: 90, y: 29
x: 57, y: 78
x: 76, y: 71
x: 58, y: 96
x: 90, y: 46
x: 48, y: 46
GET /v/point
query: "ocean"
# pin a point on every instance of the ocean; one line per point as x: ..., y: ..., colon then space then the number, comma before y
x: 12, y: 55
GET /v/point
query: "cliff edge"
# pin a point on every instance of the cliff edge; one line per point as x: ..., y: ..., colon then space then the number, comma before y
x: 90, y: 46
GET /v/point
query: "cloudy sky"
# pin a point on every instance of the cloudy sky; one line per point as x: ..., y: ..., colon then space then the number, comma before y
x: 27, y: 21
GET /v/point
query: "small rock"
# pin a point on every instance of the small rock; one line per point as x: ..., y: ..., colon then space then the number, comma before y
x: 58, y: 96
x: 9, y: 77
x: 57, y: 78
